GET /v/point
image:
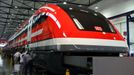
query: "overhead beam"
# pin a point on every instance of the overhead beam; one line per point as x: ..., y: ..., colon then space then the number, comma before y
x: 8, y: 22
x: 12, y: 18
x: 2, y: 21
x: 2, y: 25
x: 123, y: 14
x: 4, y: 12
x: 47, y: 1
x: 14, y: 14
x: 16, y: 7
x: 10, y: 6
x: 26, y: 4
x: 35, y: 2
x: 89, y: 3
x: 5, y: 3
x: 4, y: 28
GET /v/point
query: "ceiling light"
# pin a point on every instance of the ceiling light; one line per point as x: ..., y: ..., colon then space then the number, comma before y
x: 12, y: 14
x: 32, y: 9
x: 16, y: 7
x: 96, y: 7
x: 70, y: 8
x: 95, y: 14
x: 79, y: 5
x: 64, y: 2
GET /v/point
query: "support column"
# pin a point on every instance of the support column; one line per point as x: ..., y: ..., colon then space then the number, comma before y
x: 128, y: 34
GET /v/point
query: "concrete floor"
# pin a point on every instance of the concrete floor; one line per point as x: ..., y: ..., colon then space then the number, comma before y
x: 5, y: 66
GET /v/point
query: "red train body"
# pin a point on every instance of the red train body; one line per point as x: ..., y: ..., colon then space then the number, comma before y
x: 58, y: 30
x: 69, y: 28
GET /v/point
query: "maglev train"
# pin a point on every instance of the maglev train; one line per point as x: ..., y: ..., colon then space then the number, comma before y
x: 68, y: 28
x: 57, y: 33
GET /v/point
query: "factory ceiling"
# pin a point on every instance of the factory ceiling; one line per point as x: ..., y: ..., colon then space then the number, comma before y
x: 14, y: 12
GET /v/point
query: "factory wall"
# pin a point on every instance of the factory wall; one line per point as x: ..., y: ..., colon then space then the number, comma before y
x: 120, y: 24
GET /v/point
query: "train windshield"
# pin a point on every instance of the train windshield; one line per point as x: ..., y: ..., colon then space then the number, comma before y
x: 89, y: 20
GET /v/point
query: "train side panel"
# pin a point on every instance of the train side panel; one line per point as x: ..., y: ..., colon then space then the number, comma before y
x: 58, y: 30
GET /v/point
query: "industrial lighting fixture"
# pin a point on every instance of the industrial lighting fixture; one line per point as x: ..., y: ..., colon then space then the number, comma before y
x: 79, y: 5
x: 16, y: 7
x: 32, y: 8
x: 70, y: 8
x: 64, y: 2
x: 96, y: 7
x: 12, y: 14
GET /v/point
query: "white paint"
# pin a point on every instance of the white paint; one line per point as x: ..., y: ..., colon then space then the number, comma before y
x: 55, y: 19
x: 78, y: 23
x: 51, y: 15
x: 23, y: 39
x: 38, y: 32
x: 49, y: 8
x: 58, y: 24
x: 64, y: 34
x: 79, y: 41
x: 32, y: 35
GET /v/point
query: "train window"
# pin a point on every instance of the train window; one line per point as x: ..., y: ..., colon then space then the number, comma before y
x: 39, y: 20
x: 92, y: 22
x: 78, y: 23
x: 88, y: 20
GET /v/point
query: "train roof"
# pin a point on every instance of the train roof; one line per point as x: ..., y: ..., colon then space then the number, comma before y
x: 69, y: 7
x: 78, y: 8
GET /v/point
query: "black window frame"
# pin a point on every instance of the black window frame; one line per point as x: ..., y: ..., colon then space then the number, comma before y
x: 68, y: 8
x: 39, y: 20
